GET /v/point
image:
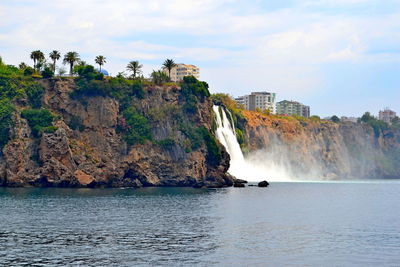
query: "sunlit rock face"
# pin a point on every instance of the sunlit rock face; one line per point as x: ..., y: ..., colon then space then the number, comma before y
x: 95, y: 154
x: 289, y: 149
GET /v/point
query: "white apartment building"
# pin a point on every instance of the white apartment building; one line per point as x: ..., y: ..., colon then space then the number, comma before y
x: 258, y: 100
x: 181, y: 70
x: 286, y: 107
x: 387, y: 115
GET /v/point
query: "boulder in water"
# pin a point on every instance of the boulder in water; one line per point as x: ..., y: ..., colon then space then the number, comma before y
x: 236, y: 184
x: 263, y: 184
x: 240, y: 181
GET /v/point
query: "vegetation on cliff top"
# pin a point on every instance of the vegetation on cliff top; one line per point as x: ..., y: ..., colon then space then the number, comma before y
x: 92, y: 83
x: 376, y: 124
x: 15, y: 86
x: 192, y: 91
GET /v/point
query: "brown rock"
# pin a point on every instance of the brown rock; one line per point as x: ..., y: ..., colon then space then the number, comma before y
x: 95, y: 154
x: 83, y: 178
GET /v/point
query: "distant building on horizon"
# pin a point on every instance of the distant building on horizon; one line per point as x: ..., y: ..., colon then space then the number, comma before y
x: 181, y: 70
x: 258, y: 100
x: 286, y: 107
x: 348, y: 119
x: 387, y: 115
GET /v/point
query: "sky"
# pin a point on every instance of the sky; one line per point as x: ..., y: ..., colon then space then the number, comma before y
x: 340, y: 57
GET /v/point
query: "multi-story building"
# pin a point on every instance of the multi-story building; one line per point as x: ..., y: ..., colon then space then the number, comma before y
x: 286, y: 107
x: 181, y: 70
x: 387, y: 115
x: 258, y: 100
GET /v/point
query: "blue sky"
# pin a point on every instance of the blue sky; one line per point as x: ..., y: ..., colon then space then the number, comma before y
x: 338, y: 56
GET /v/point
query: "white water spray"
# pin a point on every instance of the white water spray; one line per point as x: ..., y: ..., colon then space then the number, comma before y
x: 253, y: 168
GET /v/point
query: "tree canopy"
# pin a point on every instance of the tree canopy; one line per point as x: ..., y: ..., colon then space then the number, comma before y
x: 71, y: 58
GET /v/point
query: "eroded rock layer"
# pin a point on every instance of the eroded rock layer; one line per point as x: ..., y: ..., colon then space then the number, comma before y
x: 322, y: 149
x: 88, y: 148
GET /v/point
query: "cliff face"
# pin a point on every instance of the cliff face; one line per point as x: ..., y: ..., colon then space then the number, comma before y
x: 94, y: 153
x: 322, y: 150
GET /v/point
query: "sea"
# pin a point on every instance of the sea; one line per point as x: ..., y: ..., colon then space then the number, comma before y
x: 352, y: 223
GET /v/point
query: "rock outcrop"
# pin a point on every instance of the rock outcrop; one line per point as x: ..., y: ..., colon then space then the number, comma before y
x: 89, y: 150
x: 307, y: 149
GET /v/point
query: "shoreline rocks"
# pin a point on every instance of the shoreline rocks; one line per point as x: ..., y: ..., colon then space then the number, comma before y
x: 263, y: 184
x: 240, y: 185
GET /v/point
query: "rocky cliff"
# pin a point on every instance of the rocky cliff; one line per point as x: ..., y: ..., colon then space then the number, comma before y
x: 89, y: 143
x: 307, y: 149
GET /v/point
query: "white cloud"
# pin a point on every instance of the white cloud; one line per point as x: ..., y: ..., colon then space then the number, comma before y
x: 235, y: 46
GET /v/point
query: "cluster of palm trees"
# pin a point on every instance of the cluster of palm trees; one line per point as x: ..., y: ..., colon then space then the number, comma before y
x: 39, y: 60
x: 73, y: 58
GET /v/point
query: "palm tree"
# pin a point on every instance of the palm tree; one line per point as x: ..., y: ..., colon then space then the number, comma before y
x: 71, y: 58
x: 37, y: 56
x: 169, y: 64
x: 159, y: 77
x: 21, y: 65
x: 54, y: 55
x: 135, y: 67
x: 100, y: 60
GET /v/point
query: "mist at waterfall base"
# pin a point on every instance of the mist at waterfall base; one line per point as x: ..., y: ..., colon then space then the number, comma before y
x: 255, y: 166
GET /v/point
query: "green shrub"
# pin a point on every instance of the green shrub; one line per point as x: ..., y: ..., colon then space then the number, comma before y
x: 88, y: 72
x: 40, y: 120
x: 191, y: 86
x: 199, y: 136
x: 335, y: 119
x: 193, y: 134
x: 91, y: 88
x: 121, y: 89
x: 48, y: 129
x: 167, y: 143
x: 47, y: 73
x: 28, y: 71
x: 35, y: 93
x: 9, y: 70
x: 14, y: 85
x: 6, y: 122
x: 214, y: 155
x: 377, y: 125
x: 125, y: 91
x: 136, y: 127
x: 159, y: 77
x: 191, y: 91
x: 239, y: 136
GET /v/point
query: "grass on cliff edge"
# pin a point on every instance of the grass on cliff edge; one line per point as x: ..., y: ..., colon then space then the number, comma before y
x: 15, y: 85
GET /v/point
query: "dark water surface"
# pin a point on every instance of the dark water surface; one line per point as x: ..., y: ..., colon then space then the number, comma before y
x: 287, y: 224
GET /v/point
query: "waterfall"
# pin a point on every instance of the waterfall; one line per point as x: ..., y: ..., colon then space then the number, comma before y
x: 226, y: 134
x: 255, y: 167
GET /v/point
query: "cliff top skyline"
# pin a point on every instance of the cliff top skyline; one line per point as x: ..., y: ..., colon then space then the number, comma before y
x: 339, y: 57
